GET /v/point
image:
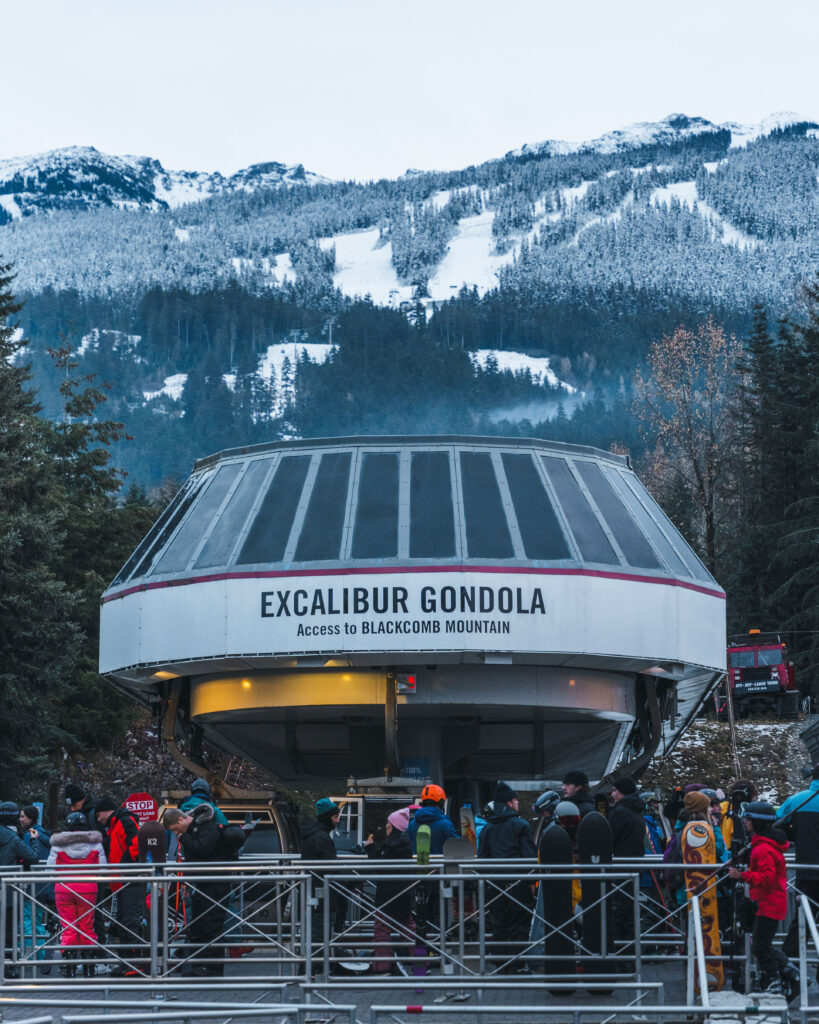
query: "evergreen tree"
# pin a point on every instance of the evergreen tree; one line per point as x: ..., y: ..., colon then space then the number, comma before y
x: 39, y: 636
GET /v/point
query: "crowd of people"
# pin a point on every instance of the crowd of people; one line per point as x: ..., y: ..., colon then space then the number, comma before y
x: 750, y: 838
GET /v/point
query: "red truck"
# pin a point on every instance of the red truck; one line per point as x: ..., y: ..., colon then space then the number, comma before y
x: 761, y: 677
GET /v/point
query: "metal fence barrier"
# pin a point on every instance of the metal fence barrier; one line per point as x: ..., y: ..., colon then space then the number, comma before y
x: 319, y: 924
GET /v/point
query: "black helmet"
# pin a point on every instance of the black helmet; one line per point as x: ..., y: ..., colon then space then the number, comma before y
x: 76, y: 821
x: 759, y: 810
x: 200, y: 786
x: 547, y: 802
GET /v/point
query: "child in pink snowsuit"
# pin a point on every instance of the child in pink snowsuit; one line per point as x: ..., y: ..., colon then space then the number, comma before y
x: 73, y: 851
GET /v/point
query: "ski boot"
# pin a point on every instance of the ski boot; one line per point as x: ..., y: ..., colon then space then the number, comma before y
x: 790, y: 982
x: 68, y: 969
x: 88, y: 965
x: 771, y: 985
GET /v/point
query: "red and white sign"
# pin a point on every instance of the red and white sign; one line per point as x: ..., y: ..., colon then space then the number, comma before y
x: 144, y: 807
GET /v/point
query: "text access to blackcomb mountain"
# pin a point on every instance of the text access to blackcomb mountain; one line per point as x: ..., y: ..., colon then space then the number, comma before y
x: 449, y: 607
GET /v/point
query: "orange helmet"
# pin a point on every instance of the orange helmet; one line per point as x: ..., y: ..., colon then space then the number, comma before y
x: 433, y: 793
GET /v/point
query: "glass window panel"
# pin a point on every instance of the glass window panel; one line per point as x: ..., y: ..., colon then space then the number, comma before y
x: 487, y: 531
x: 223, y: 537
x: 629, y: 536
x: 432, y: 520
x: 591, y: 538
x: 698, y: 570
x: 320, y: 539
x: 661, y: 543
x: 537, y: 521
x: 268, y: 536
x: 375, y: 534
x: 161, y: 530
x: 183, y: 545
x: 170, y: 525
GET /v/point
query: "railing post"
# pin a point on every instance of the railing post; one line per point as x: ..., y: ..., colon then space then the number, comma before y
x: 153, y: 924
x: 689, y: 960
x: 327, y: 929
x: 482, y: 925
x: 803, y: 961
x: 638, y: 939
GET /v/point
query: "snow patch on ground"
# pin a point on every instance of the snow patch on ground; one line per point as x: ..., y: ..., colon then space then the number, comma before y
x: 176, y: 188
x: 519, y: 362
x: 365, y: 268
x: 575, y: 193
x: 274, y: 357
x: 182, y: 234
x: 470, y: 259
x: 172, y: 387
x: 685, y: 192
x: 282, y: 269
x: 9, y: 204
x: 119, y: 341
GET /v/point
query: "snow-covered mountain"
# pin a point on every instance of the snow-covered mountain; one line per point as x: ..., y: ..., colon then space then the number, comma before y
x: 81, y: 177
x: 671, y: 129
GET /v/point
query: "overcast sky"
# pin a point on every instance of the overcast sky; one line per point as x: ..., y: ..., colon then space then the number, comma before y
x: 369, y: 88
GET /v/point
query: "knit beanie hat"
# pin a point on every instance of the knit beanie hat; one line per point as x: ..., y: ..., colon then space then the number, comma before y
x: 625, y: 785
x: 105, y: 803
x: 504, y: 793
x: 9, y: 812
x: 200, y: 786
x: 696, y: 803
x: 574, y: 777
x: 400, y: 819
x: 326, y: 806
x: 73, y: 793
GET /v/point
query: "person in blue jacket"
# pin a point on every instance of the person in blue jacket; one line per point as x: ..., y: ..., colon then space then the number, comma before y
x: 802, y: 809
x: 200, y: 794
x: 431, y: 813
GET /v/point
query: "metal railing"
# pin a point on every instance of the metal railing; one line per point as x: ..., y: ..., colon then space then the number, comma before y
x: 306, y: 922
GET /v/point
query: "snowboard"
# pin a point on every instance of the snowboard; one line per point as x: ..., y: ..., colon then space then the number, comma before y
x: 554, y: 903
x: 458, y: 849
x: 699, y: 847
x: 153, y: 842
x: 468, y: 825
x: 423, y: 839
x: 594, y: 847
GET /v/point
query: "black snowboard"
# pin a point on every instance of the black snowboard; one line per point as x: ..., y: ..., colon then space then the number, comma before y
x: 554, y: 902
x: 153, y: 843
x: 594, y: 847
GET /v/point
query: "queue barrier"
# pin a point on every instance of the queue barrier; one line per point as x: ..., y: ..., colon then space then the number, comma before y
x: 283, y: 908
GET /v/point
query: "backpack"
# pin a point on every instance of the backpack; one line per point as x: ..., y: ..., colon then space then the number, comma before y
x: 231, y: 839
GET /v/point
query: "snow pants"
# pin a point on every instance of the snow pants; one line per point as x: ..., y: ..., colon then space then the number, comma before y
x: 383, y: 928
x: 76, y: 904
x: 771, y: 961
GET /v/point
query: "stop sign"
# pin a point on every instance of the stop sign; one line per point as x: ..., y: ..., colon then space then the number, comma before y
x: 144, y: 807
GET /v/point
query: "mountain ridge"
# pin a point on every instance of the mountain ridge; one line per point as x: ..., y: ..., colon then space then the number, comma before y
x: 74, y: 177
x: 84, y: 177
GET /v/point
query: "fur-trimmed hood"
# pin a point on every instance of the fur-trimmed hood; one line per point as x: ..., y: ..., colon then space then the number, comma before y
x: 71, y: 838
x: 202, y: 813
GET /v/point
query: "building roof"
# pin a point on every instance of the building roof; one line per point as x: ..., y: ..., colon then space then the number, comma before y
x: 411, y: 500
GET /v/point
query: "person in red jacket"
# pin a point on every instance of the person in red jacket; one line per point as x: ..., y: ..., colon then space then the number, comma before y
x: 122, y: 847
x: 768, y: 888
